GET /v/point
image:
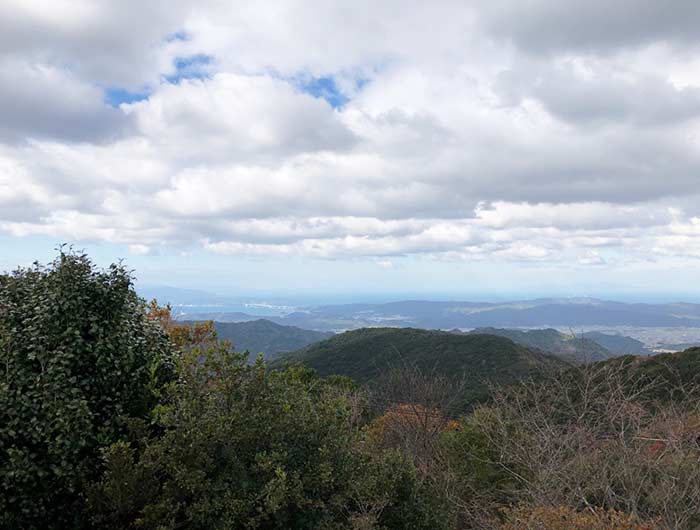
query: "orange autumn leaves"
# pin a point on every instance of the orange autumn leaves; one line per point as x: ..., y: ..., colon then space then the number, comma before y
x: 564, y: 518
x: 411, y: 417
x: 197, y: 334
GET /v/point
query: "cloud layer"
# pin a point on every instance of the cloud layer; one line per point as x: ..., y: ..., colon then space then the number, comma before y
x: 518, y: 131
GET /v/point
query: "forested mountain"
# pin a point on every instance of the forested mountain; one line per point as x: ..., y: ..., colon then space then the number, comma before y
x: 669, y: 375
x: 570, y: 347
x: 364, y: 354
x: 618, y: 344
x: 267, y: 337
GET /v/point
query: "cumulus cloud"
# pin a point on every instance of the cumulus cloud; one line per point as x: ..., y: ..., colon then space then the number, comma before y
x: 107, y: 43
x: 596, y: 93
x: 528, y: 131
x: 43, y: 101
x: 231, y: 117
x: 139, y: 250
x: 595, y: 26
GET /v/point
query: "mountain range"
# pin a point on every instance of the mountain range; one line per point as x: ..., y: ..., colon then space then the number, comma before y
x: 546, y: 312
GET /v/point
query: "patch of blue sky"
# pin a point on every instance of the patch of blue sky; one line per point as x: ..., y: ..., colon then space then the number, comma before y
x: 193, y: 67
x: 360, y: 83
x: 197, y: 66
x: 181, y: 35
x: 328, y: 88
x: 325, y: 88
x: 116, y: 96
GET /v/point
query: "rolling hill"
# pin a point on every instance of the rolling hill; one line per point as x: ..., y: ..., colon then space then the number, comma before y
x: 267, y: 337
x: 569, y: 347
x: 364, y: 354
x: 618, y: 344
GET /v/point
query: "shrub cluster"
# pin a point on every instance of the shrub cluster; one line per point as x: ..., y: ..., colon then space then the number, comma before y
x: 79, y: 357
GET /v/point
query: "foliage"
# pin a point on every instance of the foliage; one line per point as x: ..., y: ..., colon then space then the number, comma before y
x: 482, y: 462
x: 243, y: 447
x: 391, y: 426
x: 78, y: 356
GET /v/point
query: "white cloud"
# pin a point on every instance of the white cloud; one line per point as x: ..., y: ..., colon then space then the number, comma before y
x: 591, y: 257
x: 139, y: 250
x: 236, y: 117
x: 491, y: 142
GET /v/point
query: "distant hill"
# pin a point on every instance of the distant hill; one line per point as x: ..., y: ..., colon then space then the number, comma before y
x: 364, y: 354
x: 570, y: 347
x: 228, y: 316
x: 543, y: 313
x: 267, y: 337
x: 618, y: 344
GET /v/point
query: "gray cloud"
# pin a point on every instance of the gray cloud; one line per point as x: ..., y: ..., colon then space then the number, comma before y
x: 40, y: 101
x: 109, y: 43
x: 594, y: 26
x: 602, y: 99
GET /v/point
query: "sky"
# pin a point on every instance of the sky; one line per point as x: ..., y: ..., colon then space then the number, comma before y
x: 509, y: 147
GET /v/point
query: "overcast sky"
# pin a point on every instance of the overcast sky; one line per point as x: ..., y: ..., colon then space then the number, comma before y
x: 524, y: 146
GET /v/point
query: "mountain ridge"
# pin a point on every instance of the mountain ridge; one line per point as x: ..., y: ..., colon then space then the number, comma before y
x: 364, y: 354
x: 427, y: 314
x: 264, y: 336
x: 567, y: 346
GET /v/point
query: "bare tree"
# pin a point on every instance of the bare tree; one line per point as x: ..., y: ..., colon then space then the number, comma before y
x: 416, y: 407
x: 600, y: 437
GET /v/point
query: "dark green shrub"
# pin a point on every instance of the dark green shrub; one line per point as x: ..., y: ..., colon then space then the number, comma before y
x: 77, y: 357
x: 244, y: 447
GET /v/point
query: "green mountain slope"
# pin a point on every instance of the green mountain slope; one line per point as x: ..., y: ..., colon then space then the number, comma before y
x: 619, y: 344
x: 570, y: 347
x: 678, y: 368
x: 267, y: 337
x: 364, y: 354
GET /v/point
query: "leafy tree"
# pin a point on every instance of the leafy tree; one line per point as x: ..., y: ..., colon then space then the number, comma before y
x: 78, y: 358
x: 472, y: 473
x: 244, y: 447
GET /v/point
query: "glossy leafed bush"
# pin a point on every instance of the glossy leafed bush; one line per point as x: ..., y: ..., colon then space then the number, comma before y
x: 242, y: 447
x: 78, y: 358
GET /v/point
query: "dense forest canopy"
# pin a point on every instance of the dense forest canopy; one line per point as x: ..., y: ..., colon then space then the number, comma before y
x: 478, y: 360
